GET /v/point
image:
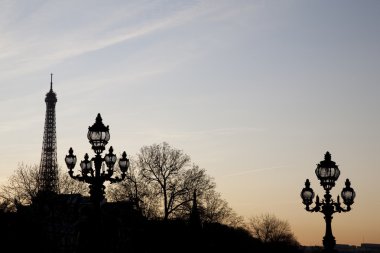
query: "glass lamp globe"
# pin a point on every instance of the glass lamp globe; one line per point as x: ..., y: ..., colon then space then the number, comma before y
x: 327, y: 172
x: 307, y: 194
x: 98, y: 135
x: 348, y: 194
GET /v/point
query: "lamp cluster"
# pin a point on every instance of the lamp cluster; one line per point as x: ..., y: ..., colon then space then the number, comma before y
x: 328, y: 172
x: 92, y: 171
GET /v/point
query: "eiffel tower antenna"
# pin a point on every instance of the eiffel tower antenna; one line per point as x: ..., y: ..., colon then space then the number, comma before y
x: 51, y: 81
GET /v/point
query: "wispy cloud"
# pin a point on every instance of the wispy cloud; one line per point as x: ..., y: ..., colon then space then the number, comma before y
x: 184, y: 135
x: 47, y: 36
x: 252, y: 171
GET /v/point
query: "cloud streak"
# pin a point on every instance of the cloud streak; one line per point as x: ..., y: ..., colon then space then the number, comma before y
x: 41, y: 38
x: 184, y: 135
x: 252, y: 171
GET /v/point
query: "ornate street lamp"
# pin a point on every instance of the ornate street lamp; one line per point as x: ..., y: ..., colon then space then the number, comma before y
x: 98, y: 135
x: 328, y: 172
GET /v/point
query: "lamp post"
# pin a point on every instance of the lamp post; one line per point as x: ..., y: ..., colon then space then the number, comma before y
x: 328, y: 172
x: 98, y: 135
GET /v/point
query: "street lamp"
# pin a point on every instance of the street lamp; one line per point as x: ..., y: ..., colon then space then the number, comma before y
x: 328, y: 172
x: 98, y: 135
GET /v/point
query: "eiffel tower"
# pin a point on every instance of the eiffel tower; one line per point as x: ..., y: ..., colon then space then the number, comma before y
x: 48, y: 173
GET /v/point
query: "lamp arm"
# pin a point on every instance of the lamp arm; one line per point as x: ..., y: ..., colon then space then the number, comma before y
x: 117, y: 179
x: 316, y: 208
x: 110, y: 172
x: 77, y: 177
x: 80, y: 178
x: 107, y: 175
x: 339, y: 209
x: 338, y: 206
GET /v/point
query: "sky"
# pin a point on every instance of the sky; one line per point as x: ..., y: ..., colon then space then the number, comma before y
x: 255, y: 92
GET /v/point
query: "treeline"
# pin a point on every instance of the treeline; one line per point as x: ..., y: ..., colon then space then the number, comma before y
x: 154, y: 202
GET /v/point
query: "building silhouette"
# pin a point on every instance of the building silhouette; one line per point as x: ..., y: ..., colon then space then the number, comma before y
x: 48, y: 173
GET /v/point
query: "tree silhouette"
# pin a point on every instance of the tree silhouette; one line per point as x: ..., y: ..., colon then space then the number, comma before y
x: 163, y: 166
x: 22, y: 187
x: 161, y: 183
x: 270, y: 229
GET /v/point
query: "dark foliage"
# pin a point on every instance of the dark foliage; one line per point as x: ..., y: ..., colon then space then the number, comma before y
x: 68, y: 223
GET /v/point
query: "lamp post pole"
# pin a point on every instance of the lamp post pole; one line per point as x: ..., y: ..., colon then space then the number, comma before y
x: 328, y: 172
x: 92, y: 230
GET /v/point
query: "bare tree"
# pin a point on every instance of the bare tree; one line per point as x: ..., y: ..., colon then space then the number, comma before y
x: 164, y: 166
x: 163, y: 180
x: 22, y: 186
x: 211, y: 206
x: 170, y: 170
x: 270, y: 229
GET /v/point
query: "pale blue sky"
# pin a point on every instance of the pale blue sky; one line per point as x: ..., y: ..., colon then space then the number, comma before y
x: 254, y: 91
